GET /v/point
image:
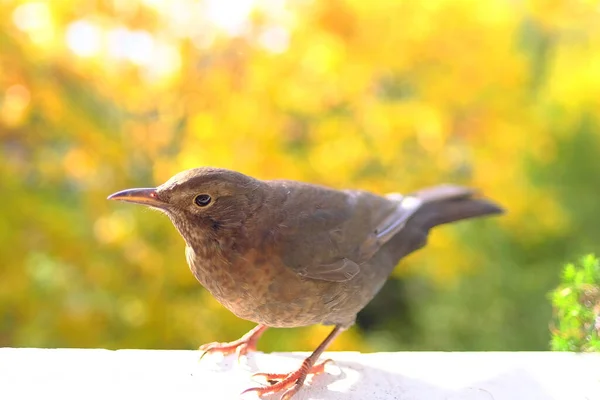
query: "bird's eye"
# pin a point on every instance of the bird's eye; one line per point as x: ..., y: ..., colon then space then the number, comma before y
x: 202, y: 200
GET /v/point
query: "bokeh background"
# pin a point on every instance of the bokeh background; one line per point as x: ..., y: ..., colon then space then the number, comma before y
x: 385, y: 95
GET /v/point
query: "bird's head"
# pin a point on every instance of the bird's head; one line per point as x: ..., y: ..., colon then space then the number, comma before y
x: 201, y: 201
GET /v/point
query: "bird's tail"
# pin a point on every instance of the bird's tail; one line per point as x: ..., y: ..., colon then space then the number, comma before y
x: 440, y: 205
x: 447, y: 203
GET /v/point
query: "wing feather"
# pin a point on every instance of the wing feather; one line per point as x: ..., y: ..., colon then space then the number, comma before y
x: 331, y: 238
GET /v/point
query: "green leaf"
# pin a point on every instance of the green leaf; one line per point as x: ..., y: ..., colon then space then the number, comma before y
x: 569, y: 273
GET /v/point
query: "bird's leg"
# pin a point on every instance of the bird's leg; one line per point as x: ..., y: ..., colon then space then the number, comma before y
x: 241, y: 346
x: 291, y: 383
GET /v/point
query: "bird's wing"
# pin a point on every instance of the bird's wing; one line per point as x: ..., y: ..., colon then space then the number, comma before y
x: 327, y: 234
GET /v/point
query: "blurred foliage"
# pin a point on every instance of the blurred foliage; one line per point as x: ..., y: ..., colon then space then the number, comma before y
x: 98, y: 96
x: 577, y: 307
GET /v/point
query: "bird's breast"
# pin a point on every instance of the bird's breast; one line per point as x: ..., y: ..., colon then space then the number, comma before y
x: 258, y: 287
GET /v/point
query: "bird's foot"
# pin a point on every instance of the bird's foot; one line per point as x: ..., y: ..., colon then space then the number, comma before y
x: 241, y: 347
x: 290, y: 383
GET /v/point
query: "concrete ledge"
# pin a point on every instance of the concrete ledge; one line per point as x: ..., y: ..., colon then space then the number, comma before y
x: 143, y: 374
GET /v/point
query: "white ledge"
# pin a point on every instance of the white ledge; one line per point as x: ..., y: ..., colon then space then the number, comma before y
x: 161, y: 374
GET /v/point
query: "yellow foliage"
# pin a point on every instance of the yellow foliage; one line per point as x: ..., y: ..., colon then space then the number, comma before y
x: 383, y: 95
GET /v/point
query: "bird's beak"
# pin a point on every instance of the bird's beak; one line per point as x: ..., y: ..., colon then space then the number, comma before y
x: 145, y: 196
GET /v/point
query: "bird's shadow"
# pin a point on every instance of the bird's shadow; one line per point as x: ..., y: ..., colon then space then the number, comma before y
x: 345, y: 379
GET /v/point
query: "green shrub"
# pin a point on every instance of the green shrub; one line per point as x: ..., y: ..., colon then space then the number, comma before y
x: 576, y: 303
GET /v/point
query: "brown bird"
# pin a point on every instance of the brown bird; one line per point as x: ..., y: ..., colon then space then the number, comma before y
x: 288, y: 254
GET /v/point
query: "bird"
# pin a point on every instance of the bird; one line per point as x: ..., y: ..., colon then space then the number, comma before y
x: 285, y: 253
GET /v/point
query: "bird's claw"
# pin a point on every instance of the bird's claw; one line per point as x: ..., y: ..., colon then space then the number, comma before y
x: 241, y: 347
x: 290, y: 383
